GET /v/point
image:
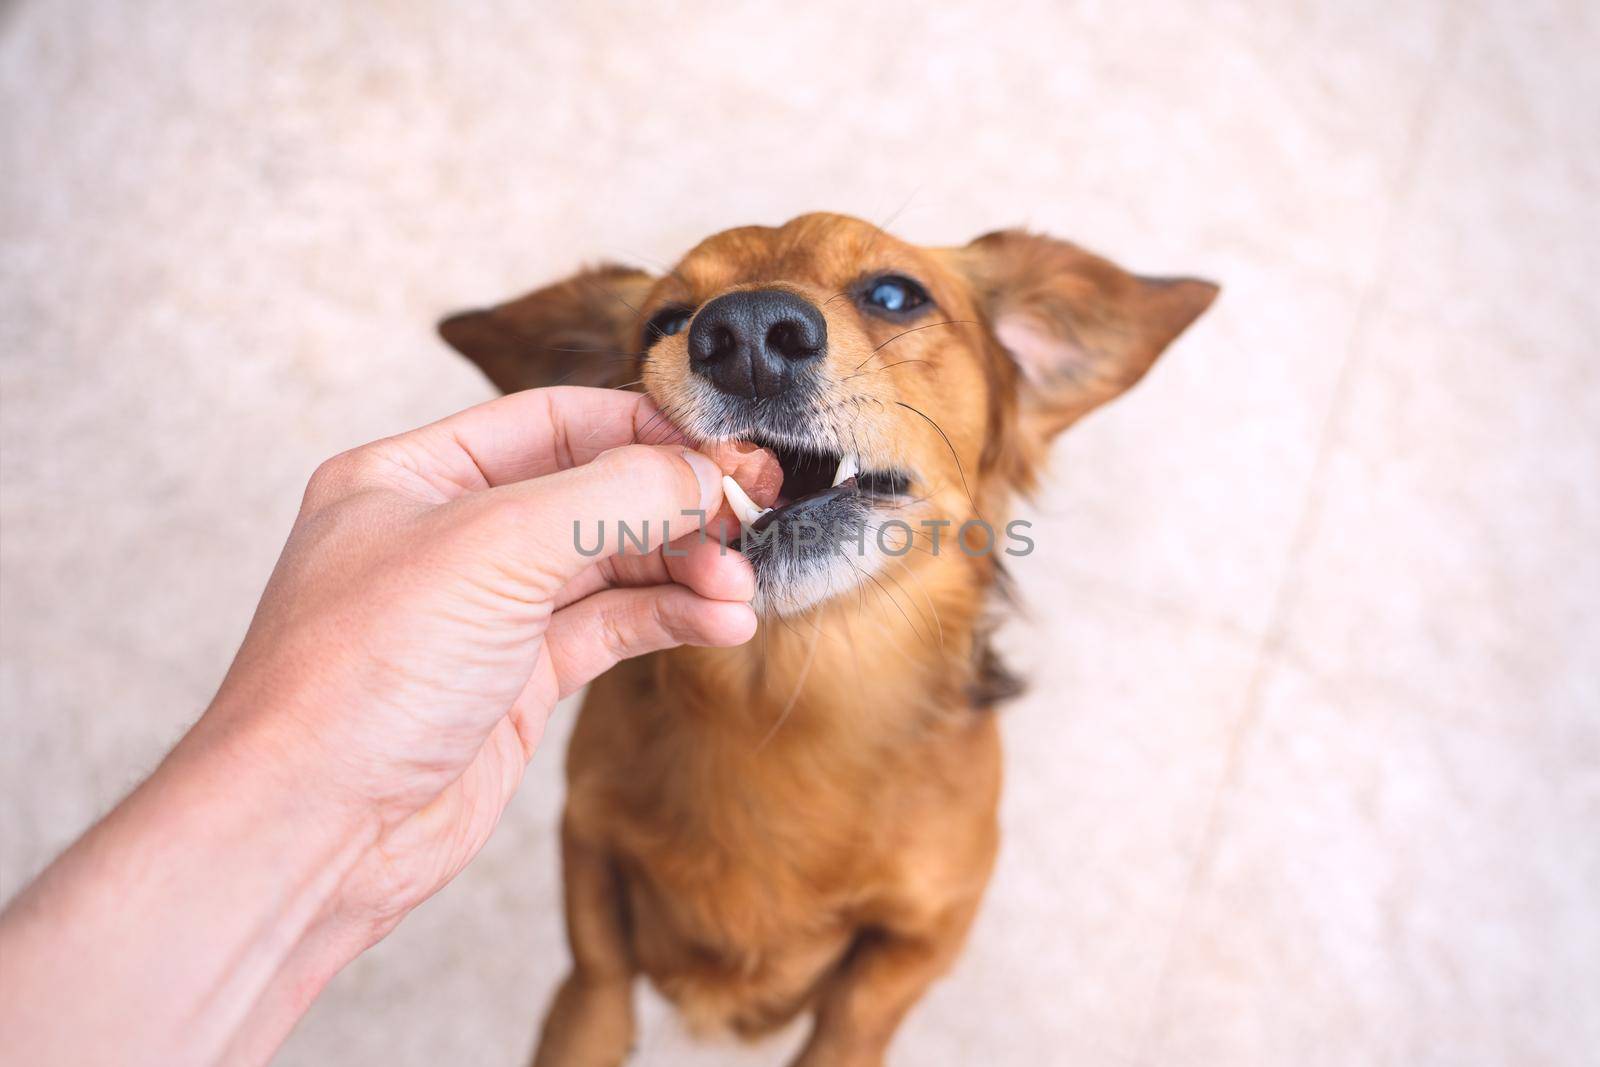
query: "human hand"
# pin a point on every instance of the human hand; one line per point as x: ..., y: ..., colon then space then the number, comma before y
x: 429, y: 609
x: 432, y: 605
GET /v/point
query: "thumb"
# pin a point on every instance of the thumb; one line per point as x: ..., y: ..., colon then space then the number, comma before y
x: 632, y: 499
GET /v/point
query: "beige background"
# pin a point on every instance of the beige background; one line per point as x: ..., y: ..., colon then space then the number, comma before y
x: 1310, y: 773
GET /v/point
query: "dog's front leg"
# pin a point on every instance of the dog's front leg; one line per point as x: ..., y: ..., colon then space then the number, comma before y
x: 887, y: 971
x: 590, y: 1022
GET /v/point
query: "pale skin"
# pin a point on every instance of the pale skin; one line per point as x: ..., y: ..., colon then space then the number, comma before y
x: 429, y: 610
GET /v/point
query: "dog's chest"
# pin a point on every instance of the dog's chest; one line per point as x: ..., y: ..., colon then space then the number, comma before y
x: 736, y: 909
x: 747, y: 871
x: 730, y: 956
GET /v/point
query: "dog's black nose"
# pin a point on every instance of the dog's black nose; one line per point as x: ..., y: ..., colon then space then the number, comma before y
x: 757, y: 343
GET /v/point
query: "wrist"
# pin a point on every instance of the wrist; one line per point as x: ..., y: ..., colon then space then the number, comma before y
x: 270, y: 840
x: 289, y: 810
x: 272, y: 764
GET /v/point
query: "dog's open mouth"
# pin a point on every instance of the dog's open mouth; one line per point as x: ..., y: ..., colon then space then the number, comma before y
x: 812, y: 480
x: 824, y: 532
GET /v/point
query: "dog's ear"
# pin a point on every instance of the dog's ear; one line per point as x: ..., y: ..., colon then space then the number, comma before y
x: 1080, y: 329
x: 577, y: 332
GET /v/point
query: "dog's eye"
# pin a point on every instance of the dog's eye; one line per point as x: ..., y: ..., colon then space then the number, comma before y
x: 666, y: 322
x: 894, y: 294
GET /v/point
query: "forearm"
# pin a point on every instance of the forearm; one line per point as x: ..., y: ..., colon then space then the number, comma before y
x: 325, y: 948
x: 181, y: 927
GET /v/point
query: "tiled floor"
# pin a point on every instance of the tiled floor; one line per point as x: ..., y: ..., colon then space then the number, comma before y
x: 1311, y: 769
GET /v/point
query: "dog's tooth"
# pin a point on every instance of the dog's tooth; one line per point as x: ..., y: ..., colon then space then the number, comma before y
x: 849, y: 467
x: 740, y: 501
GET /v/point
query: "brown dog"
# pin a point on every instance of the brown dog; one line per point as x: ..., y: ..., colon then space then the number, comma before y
x: 808, y: 822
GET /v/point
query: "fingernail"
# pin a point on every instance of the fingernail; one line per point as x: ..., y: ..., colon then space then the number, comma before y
x: 709, y: 475
x: 745, y: 448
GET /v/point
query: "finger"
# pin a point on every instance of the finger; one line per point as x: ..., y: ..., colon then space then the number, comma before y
x: 629, y: 499
x: 535, y: 432
x: 591, y: 636
x: 697, y: 561
x: 720, y: 573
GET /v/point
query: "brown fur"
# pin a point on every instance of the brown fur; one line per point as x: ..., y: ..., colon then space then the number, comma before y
x: 808, y: 822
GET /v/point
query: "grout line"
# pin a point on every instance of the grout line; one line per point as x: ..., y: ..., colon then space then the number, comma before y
x: 1273, y: 638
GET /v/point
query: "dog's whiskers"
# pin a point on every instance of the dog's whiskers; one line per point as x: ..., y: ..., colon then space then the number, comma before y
x: 953, y: 454
x: 880, y: 370
x: 937, y: 621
